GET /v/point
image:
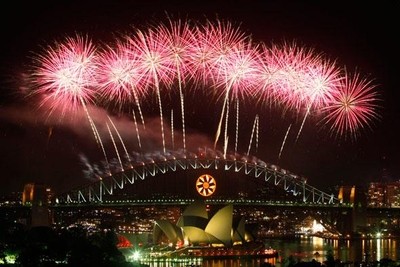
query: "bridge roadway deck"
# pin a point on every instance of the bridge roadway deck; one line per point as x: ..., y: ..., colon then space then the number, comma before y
x: 185, y: 202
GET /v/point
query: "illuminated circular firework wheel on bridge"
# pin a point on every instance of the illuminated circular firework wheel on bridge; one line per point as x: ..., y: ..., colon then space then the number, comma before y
x: 206, y: 185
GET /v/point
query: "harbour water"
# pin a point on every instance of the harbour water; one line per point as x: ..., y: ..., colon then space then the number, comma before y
x: 352, y: 252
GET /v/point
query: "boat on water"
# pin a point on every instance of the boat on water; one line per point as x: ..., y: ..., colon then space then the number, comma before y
x: 231, y: 252
x: 245, y: 250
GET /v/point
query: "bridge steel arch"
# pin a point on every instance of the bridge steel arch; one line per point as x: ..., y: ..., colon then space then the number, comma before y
x: 291, y: 183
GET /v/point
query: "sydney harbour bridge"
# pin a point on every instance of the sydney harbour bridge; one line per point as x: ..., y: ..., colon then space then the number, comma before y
x: 242, y: 180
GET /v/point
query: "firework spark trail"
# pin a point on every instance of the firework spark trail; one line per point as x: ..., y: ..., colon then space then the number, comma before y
x: 239, y: 73
x: 257, y: 129
x: 226, y: 127
x: 182, y: 110
x: 284, y: 141
x: 226, y: 141
x: 139, y: 108
x: 322, y: 81
x: 224, y: 40
x: 178, y: 37
x: 172, y: 129
x: 252, y: 134
x: 237, y: 125
x: 116, y: 79
x: 225, y: 107
x: 120, y: 139
x: 137, y: 129
x: 154, y: 59
x: 115, y: 147
x: 303, y: 121
x: 97, y: 134
x: 161, y: 111
x: 92, y: 125
x: 224, y: 111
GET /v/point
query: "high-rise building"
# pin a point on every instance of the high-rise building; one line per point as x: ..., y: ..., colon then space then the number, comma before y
x: 384, y: 194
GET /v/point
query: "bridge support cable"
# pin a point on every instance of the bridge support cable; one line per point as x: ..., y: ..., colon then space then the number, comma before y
x: 128, y: 179
x: 119, y: 184
x: 107, y: 189
x: 81, y: 197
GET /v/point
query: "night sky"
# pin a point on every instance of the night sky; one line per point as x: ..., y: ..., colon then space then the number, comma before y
x: 361, y: 36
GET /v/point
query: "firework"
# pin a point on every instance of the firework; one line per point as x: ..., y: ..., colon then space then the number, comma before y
x: 298, y: 78
x: 231, y: 61
x: 254, y: 129
x: 154, y: 60
x: 119, y: 76
x: 178, y: 37
x: 284, y: 141
x: 213, y: 42
x: 240, y: 76
x: 64, y: 74
x: 353, y: 106
x: 218, y: 57
x: 121, y: 140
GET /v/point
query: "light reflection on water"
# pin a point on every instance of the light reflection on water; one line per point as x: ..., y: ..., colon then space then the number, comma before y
x: 307, y: 249
x: 243, y: 262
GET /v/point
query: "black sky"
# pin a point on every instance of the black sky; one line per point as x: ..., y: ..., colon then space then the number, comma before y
x: 361, y: 36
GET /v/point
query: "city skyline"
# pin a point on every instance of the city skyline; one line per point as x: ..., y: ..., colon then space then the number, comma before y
x: 42, y: 148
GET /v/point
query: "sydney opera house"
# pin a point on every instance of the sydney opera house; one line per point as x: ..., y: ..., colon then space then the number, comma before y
x: 196, y: 227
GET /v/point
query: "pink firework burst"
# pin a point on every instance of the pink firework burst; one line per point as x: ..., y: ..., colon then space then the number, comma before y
x: 322, y: 77
x: 223, y: 39
x: 284, y: 74
x: 352, y: 107
x: 65, y: 74
x: 119, y: 74
x: 296, y: 77
x: 269, y: 71
x: 152, y: 57
x: 239, y: 73
x: 291, y: 80
x: 177, y: 37
x: 210, y: 52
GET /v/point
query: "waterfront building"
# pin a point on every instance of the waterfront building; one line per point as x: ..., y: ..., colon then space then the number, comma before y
x: 197, y: 227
